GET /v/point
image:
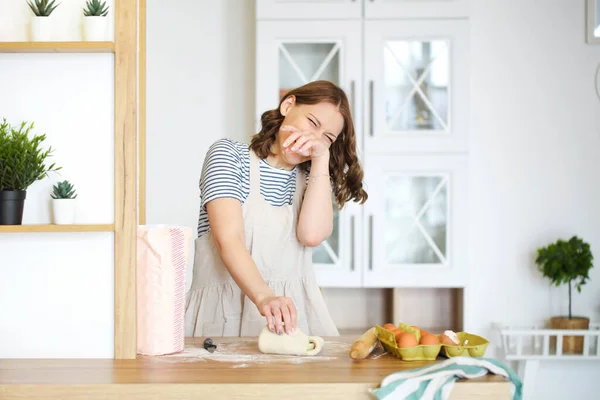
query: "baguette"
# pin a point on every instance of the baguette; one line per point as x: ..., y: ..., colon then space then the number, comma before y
x: 364, y: 345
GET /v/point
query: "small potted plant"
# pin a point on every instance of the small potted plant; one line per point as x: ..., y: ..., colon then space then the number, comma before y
x: 22, y: 162
x: 567, y: 262
x: 63, y: 203
x: 95, y: 23
x: 41, y: 24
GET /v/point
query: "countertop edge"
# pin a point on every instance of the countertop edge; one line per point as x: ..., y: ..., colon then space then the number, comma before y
x: 462, y: 390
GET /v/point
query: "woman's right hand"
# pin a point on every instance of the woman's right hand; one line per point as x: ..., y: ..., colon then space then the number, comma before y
x: 278, y: 310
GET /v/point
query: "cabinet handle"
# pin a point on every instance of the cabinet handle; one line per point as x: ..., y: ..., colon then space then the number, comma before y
x: 598, y: 81
x: 370, y: 242
x: 352, y: 100
x: 352, y: 244
x: 371, y: 108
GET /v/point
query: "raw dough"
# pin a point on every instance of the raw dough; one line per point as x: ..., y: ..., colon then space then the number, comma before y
x: 297, y: 343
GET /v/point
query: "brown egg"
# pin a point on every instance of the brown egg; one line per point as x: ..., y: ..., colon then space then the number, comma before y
x: 390, y: 327
x: 422, y: 331
x: 447, y: 340
x: 406, y: 339
x: 397, y: 334
x: 429, y: 339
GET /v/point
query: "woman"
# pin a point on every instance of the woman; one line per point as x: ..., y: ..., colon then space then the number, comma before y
x: 263, y: 208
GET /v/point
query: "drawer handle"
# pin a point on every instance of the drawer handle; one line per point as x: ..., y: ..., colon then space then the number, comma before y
x: 370, y: 242
x: 371, y: 130
x: 352, y: 99
x: 352, y: 244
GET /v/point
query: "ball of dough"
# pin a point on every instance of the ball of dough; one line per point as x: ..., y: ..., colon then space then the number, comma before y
x: 297, y: 343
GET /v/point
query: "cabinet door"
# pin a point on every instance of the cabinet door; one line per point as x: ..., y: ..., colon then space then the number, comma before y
x: 290, y: 54
x: 416, y: 83
x: 416, y: 9
x: 416, y: 220
x: 308, y: 9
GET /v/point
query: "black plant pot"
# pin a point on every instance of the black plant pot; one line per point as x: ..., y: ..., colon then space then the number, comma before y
x: 12, y: 203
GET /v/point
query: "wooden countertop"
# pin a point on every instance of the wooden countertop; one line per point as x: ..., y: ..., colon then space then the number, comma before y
x: 236, y: 368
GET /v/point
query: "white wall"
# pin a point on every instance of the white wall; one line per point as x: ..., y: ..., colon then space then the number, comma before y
x: 535, y: 137
x: 200, y: 74
x: 56, y: 289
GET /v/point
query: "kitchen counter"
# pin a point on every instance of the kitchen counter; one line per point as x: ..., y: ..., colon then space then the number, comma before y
x: 235, y: 370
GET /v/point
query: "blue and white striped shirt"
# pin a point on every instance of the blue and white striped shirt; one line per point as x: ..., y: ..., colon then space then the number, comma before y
x: 226, y: 173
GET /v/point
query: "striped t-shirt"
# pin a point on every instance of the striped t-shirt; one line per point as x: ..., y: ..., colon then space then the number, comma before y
x: 226, y: 173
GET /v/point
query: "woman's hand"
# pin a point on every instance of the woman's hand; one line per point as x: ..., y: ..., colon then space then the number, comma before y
x: 307, y: 143
x: 277, y: 310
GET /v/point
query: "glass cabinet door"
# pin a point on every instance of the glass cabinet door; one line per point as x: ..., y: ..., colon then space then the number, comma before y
x: 290, y: 55
x: 417, y: 86
x: 417, y: 221
x: 416, y: 9
x: 308, y: 9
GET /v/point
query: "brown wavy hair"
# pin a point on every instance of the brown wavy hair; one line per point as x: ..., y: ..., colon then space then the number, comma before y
x: 345, y: 170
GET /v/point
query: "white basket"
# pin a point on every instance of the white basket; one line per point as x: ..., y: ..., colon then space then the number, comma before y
x: 533, y: 343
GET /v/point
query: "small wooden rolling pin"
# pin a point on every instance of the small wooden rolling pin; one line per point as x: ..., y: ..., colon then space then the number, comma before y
x: 364, y: 345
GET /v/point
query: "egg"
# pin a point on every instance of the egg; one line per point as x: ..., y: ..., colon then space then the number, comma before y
x: 422, y: 331
x: 406, y: 339
x: 429, y: 339
x: 449, y: 338
x: 397, y: 334
x: 390, y: 327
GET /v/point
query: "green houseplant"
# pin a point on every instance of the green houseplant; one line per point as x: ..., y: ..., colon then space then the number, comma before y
x: 63, y: 203
x: 41, y: 24
x: 567, y: 262
x: 95, y: 23
x: 22, y: 162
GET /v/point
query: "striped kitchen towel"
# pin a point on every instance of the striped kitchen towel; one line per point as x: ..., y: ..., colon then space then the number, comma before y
x: 435, y: 381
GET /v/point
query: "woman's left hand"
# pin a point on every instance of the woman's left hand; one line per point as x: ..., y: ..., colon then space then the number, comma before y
x: 307, y: 143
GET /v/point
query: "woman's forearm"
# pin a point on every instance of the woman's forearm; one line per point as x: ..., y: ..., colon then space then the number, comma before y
x: 227, y: 225
x: 315, y: 222
x: 243, y: 270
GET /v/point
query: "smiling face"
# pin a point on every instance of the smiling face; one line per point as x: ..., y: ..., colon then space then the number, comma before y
x: 322, y: 118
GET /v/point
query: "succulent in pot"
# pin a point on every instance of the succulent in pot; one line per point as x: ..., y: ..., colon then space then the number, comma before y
x: 41, y: 23
x: 63, y: 203
x: 95, y: 23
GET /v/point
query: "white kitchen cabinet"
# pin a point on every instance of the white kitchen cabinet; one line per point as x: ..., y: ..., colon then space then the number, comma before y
x: 407, y: 81
x: 290, y: 55
x: 309, y: 9
x: 416, y: 85
x: 399, y: 9
x: 416, y: 221
x: 357, y: 9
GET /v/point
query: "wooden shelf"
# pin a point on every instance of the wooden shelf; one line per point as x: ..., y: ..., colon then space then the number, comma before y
x: 56, y: 228
x: 57, y: 47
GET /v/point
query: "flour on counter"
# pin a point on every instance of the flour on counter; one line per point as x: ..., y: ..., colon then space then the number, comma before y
x: 245, y: 352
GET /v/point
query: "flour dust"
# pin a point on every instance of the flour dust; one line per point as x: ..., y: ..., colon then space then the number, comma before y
x: 245, y: 352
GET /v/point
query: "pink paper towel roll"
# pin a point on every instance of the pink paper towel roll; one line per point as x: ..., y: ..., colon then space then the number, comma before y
x: 162, y: 257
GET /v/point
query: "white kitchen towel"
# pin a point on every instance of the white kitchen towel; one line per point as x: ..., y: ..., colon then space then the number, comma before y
x: 435, y: 382
x: 162, y: 258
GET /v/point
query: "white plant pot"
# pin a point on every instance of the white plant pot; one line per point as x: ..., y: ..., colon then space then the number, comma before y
x: 63, y: 211
x: 95, y: 29
x: 41, y: 29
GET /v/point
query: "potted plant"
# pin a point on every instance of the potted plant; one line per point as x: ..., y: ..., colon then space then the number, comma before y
x: 567, y: 262
x: 22, y: 162
x: 63, y: 203
x: 95, y: 23
x: 41, y: 24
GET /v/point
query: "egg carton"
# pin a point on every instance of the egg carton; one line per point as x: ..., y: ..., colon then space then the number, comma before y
x: 475, y: 346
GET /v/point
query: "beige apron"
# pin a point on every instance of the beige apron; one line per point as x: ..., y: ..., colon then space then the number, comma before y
x: 215, y: 305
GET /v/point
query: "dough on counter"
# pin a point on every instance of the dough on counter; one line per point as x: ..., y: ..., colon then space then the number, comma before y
x: 297, y: 343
